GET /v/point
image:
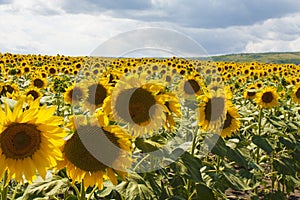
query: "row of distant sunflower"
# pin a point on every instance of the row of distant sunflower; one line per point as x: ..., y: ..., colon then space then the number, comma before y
x: 124, y: 99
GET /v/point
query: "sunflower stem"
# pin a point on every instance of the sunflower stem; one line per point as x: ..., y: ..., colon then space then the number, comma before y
x: 259, y: 133
x: 189, y: 182
x: 5, y: 186
x: 77, y: 192
x: 82, y: 190
x: 15, y: 191
x: 92, y: 192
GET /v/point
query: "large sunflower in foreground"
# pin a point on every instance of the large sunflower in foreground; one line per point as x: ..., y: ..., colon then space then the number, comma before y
x: 29, y: 140
x: 231, y: 122
x: 267, y: 98
x: 111, y: 152
x: 296, y: 94
x: 137, y: 104
x: 212, y: 109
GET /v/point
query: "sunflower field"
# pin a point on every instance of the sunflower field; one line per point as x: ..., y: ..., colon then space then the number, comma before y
x: 148, y: 128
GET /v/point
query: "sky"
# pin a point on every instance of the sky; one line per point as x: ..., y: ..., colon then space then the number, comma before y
x: 79, y: 27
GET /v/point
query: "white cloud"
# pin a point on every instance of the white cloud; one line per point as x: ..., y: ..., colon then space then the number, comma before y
x: 282, y: 34
x: 40, y: 26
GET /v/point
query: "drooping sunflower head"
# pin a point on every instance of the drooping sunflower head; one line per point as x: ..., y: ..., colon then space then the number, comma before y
x: 140, y: 106
x: 267, y: 98
x: 30, y: 138
x: 296, y: 94
x: 94, y: 152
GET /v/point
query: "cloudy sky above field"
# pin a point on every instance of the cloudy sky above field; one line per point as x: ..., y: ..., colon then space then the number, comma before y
x: 77, y: 27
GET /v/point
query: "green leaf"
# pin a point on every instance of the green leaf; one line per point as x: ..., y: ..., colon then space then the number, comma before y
x: 292, y: 127
x: 276, y: 121
x: 277, y: 195
x: 284, y: 166
x: 204, y: 192
x: 47, y: 188
x: 108, y: 187
x: 217, y: 145
x: 147, y: 145
x: 236, y: 182
x: 135, y: 188
x: 262, y: 143
x: 192, y: 165
x: 71, y: 197
x: 288, y: 143
x: 236, y: 155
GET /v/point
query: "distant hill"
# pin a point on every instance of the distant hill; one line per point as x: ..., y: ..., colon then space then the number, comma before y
x: 284, y: 57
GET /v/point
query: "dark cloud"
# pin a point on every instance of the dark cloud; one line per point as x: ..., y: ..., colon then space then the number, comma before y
x: 190, y: 13
x: 5, y: 1
x: 94, y: 6
x: 220, y: 14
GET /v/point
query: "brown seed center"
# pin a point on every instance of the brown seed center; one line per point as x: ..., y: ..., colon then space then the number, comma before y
x: 19, y: 141
x: 38, y: 83
x: 77, y: 153
x: 267, y: 97
x: 298, y: 93
x: 140, y: 103
x: 191, y: 86
x: 214, y: 108
x: 227, y: 121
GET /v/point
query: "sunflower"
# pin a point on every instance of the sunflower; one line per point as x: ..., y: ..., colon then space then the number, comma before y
x: 75, y: 93
x: 111, y: 151
x: 231, y: 122
x: 173, y: 107
x: 296, y: 94
x: 97, y: 91
x: 267, y: 98
x: 212, y: 109
x: 34, y: 92
x: 139, y: 105
x: 10, y: 90
x: 29, y: 140
x: 218, y: 86
x: 39, y: 82
x: 250, y: 92
x: 191, y: 85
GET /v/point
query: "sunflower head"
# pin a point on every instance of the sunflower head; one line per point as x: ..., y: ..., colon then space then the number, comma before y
x: 140, y: 106
x: 34, y: 92
x: 267, y: 98
x: 94, y: 152
x: 39, y: 82
x: 29, y: 137
x: 97, y: 91
x: 231, y: 122
x: 212, y: 110
x: 296, y: 94
x: 250, y: 92
x: 75, y: 93
x: 191, y: 85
